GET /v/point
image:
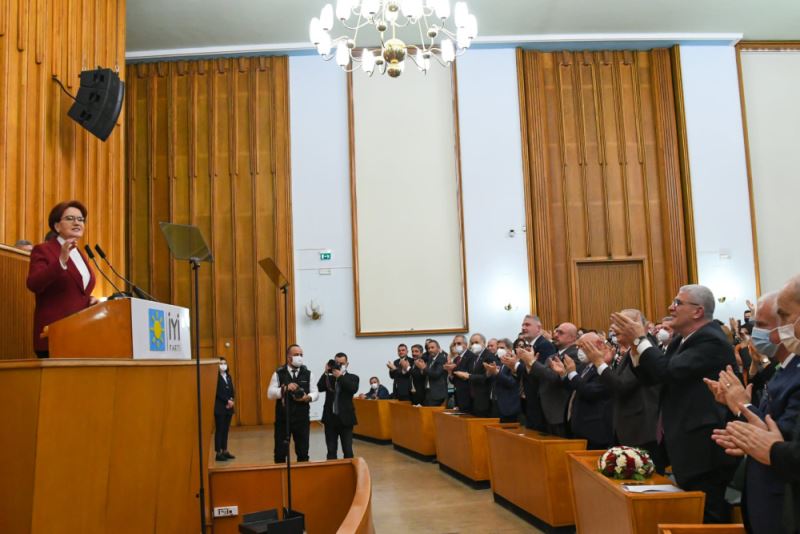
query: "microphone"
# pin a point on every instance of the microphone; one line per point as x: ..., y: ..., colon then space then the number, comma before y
x: 91, y: 257
x: 142, y: 294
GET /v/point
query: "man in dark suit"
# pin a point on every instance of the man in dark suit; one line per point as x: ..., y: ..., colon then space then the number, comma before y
x: 764, y: 490
x: 223, y: 411
x: 461, y: 361
x: 589, y: 408
x: 505, y: 386
x: 377, y: 391
x: 539, y: 348
x: 688, y: 412
x: 635, y: 405
x: 418, y: 380
x: 480, y: 383
x: 399, y: 371
x: 554, y: 393
x: 431, y: 370
x: 338, y: 413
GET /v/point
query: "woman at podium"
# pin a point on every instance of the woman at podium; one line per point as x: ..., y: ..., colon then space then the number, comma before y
x: 59, y: 273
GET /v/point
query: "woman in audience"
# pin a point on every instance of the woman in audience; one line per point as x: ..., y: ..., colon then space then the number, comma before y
x: 59, y: 274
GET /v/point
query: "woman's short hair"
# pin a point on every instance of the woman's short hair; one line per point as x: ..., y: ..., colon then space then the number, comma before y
x: 58, y: 212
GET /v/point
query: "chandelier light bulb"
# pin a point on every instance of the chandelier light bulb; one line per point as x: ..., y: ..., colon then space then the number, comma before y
x: 412, y: 9
x: 315, y: 31
x: 448, y: 51
x: 472, y: 26
x: 370, y: 7
x: 326, y: 18
x: 462, y: 38
x: 343, y: 9
x: 367, y: 61
x: 325, y: 44
x: 391, y: 15
x: 342, y: 55
x: 460, y: 14
x: 442, y: 8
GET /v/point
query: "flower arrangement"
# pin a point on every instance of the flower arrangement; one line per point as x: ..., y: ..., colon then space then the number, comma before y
x: 626, y: 463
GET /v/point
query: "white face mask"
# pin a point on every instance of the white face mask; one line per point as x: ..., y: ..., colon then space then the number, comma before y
x: 297, y: 361
x: 459, y: 349
x: 582, y: 356
x: 374, y: 385
x: 501, y: 352
x: 223, y: 367
x: 476, y: 348
x: 789, y: 340
x: 662, y: 336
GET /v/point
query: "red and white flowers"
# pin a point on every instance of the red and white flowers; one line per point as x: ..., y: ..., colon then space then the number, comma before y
x: 626, y: 463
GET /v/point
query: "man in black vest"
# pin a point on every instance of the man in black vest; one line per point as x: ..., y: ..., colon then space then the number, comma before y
x: 338, y: 414
x: 292, y: 383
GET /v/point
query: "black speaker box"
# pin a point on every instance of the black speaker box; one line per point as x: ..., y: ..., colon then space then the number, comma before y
x: 99, y: 102
x: 267, y: 522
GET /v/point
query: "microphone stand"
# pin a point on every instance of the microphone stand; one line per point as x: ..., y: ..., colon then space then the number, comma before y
x: 288, y: 439
x: 195, y: 263
x: 89, y: 253
x: 141, y: 293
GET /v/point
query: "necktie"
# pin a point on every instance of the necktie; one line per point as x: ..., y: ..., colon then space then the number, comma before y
x: 477, y: 362
x: 336, y: 399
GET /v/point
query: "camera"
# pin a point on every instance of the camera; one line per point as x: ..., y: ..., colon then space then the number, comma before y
x: 298, y: 393
x: 333, y: 364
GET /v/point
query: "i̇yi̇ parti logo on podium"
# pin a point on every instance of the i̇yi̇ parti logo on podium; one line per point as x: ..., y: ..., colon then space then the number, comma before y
x: 165, y: 331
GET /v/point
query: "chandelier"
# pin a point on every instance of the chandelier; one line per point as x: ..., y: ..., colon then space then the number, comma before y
x: 428, y: 24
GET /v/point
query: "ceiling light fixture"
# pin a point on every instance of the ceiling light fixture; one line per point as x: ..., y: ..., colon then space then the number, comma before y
x: 430, y: 19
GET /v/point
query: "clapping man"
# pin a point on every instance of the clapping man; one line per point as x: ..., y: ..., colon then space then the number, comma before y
x: 400, y: 373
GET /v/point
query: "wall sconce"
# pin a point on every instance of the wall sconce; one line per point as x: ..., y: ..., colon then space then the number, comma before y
x: 722, y: 299
x: 314, y: 310
x: 508, y: 307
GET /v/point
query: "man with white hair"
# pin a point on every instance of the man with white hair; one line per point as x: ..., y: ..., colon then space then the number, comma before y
x: 688, y: 411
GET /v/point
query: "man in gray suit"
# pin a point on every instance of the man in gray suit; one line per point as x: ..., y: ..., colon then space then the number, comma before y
x: 553, y: 393
x: 432, y: 369
x: 635, y: 412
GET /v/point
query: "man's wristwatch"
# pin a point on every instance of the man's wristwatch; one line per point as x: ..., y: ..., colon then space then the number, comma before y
x: 639, y: 340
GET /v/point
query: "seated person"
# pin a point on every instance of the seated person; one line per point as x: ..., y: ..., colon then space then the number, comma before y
x: 376, y: 390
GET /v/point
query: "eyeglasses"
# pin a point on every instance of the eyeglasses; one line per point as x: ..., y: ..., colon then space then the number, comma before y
x: 73, y: 218
x: 678, y: 302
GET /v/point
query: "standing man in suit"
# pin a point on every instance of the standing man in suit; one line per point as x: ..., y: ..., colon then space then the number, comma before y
x: 505, y: 386
x: 59, y: 274
x: 554, y: 393
x: 431, y: 370
x: 635, y: 405
x: 418, y: 380
x: 338, y: 413
x: 589, y: 407
x: 688, y: 412
x: 459, y: 362
x: 223, y: 411
x: 480, y: 383
x: 539, y: 349
x: 764, y: 490
x: 294, y: 384
x: 399, y: 371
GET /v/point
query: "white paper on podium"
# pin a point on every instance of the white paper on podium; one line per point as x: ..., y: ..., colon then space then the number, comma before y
x: 160, y: 331
x: 651, y: 488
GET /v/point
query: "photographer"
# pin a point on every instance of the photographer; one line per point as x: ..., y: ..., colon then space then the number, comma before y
x: 338, y: 414
x: 292, y: 383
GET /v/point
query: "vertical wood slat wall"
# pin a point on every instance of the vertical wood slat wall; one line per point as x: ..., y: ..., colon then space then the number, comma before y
x: 45, y: 157
x: 603, y: 178
x: 208, y: 144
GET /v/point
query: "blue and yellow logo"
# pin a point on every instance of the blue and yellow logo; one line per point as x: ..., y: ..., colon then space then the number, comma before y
x: 158, y: 331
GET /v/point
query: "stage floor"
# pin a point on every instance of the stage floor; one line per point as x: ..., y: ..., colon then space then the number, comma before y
x: 408, y: 495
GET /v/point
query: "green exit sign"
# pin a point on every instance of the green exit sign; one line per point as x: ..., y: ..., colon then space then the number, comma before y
x: 325, y: 256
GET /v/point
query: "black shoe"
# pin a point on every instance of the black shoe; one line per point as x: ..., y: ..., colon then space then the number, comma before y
x: 221, y: 457
x: 228, y: 455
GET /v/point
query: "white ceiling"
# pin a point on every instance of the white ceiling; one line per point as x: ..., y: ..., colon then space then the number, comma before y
x: 159, y: 25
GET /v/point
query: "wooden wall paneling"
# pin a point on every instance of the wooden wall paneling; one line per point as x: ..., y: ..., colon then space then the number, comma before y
x: 563, y: 63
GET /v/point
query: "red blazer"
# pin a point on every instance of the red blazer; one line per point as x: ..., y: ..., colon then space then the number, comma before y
x: 58, y: 292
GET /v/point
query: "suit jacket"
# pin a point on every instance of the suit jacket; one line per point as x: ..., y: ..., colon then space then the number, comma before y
x: 419, y: 380
x: 347, y: 384
x: 635, y: 405
x: 402, y: 381
x: 688, y: 410
x: 553, y: 392
x: 785, y: 461
x: 764, y: 488
x: 463, y: 395
x: 591, y: 408
x: 382, y: 393
x: 435, y: 380
x: 506, y: 391
x: 224, y: 394
x: 480, y: 385
x: 58, y: 292
x: 534, y: 416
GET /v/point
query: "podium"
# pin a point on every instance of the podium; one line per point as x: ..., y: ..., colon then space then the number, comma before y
x: 125, y: 328
x: 626, y: 512
x: 461, y: 444
x: 412, y: 429
x: 374, y: 420
x: 529, y: 471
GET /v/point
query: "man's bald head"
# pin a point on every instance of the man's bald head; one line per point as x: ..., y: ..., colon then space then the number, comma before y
x: 789, y: 304
x: 565, y: 335
x: 591, y: 338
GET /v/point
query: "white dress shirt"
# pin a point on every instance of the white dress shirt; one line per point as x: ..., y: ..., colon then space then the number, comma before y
x: 77, y: 259
x: 274, y: 391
